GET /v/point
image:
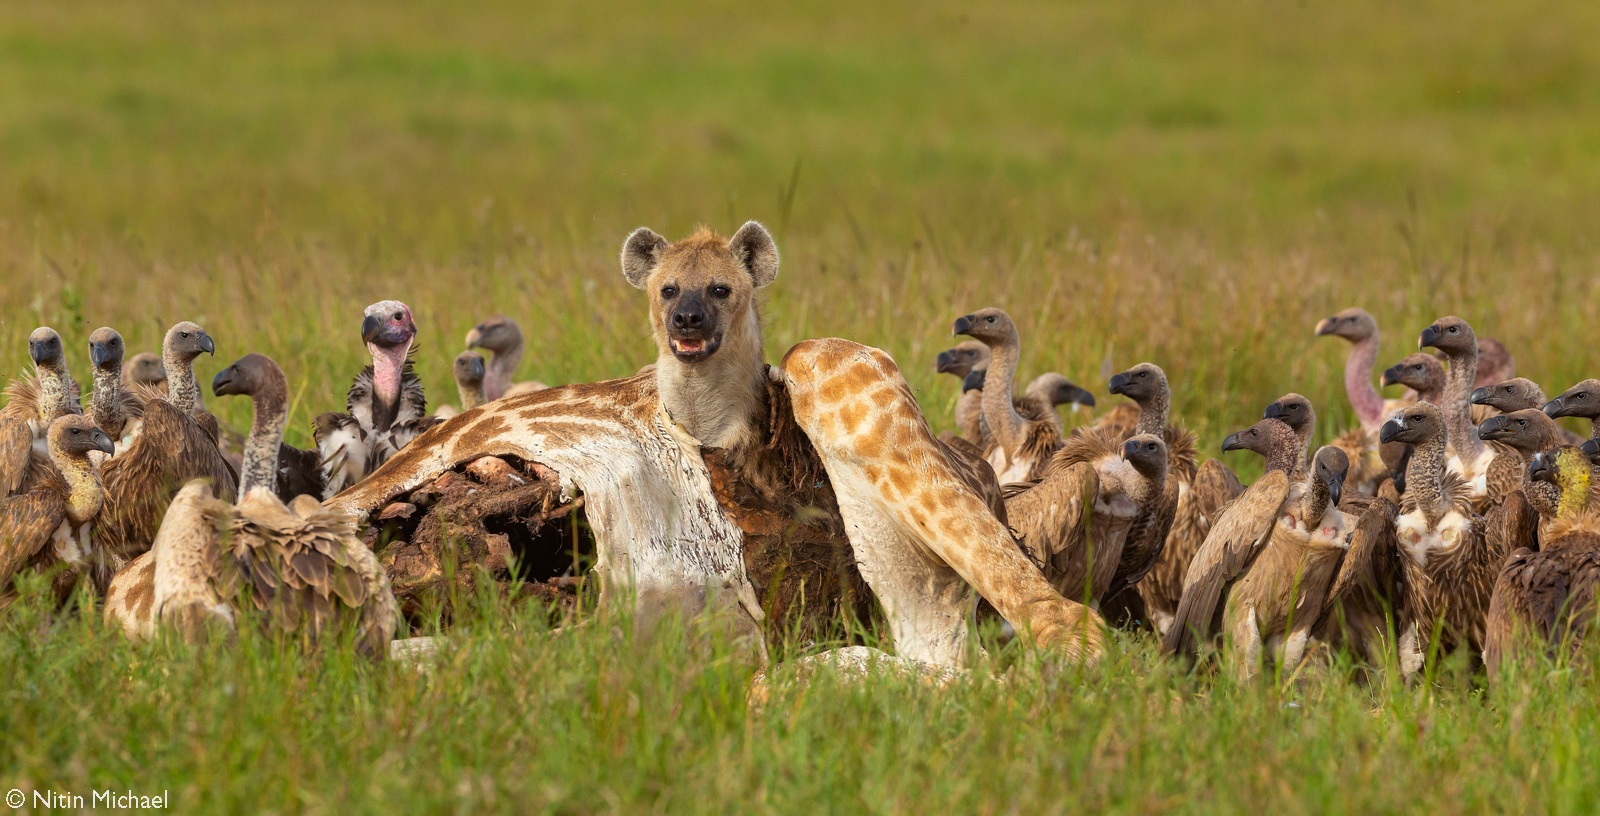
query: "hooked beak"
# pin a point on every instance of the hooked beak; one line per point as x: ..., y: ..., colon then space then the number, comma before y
x: 974, y: 380
x: 1480, y: 396
x: 963, y: 324
x: 941, y: 364
x: 1591, y: 449
x: 1554, y: 408
x: 1429, y: 336
x: 1494, y: 428
x: 1078, y: 396
x: 99, y: 354
x: 1542, y: 468
x: 1390, y: 430
x: 369, y: 328
x: 102, y: 442
x: 1274, y: 411
x: 222, y: 385
x: 1335, y: 487
x: 1119, y: 382
x: 208, y: 345
x: 474, y: 337
x: 1391, y: 376
x: 35, y: 353
x: 1324, y: 326
x: 1232, y: 443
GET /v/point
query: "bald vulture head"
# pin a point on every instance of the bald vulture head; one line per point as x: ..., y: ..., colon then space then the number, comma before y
x: 1056, y: 389
x: 966, y: 357
x: 1272, y: 439
x: 251, y: 375
x: 1329, y: 467
x: 74, y: 435
x: 1142, y: 383
x: 1352, y: 324
x: 1420, y: 372
x: 1528, y: 431
x: 469, y: 369
x: 498, y: 334
x: 1450, y: 335
x: 1295, y: 411
x: 991, y: 326
x: 1495, y: 362
x: 388, y: 324
x: 105, y: 349
x: 144, y: 368
x: 1414, y: 425
x: 1147, y: 453
x: 45, y: 349
x: 1581, y: 400
x: 186, y: 341
x: 1510, y: 395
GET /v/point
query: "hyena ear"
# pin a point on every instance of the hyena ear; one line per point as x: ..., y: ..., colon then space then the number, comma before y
x: 640, y: 253
x: 754, y: 248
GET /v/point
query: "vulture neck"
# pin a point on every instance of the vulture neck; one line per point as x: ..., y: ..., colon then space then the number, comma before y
x: 969, y: 415
x: 502, y: 367
x: 55, y: 391
x: 1284, y: 458
x: 1153, y: 414
x: 1314, y: 504
x: 182, y: 391
x: 106, y: 405
x: 1004, y: 421
x: 1423, y: 478
x: 1364, y: 398
x: 388, y: 367
x: 260, y: 467
x: 1457, y: 407
x: 84, y: 493
x: 471, y: 395
x: 1302, y: 441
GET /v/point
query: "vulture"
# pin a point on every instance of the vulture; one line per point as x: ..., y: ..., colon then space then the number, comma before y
x: 145, y: 369
x: 969, y: 361
x: 1159, y: 550
x: 115, y: 409
x: 1523, y: 433
x: 1544, y: 597
x: 1581, y: 400
x: 173, y: 447
x: 1495, y: 363
x: 297, y: 569
x: 502, y: 338
x: 32, y: 404
x: 1269, y: 564
x: 1454, y: 338
x: 1422, y: 373
x: 468, y: 371
x: 1450, y: 555
x: 49, y: 525
x: 1366, y: 465
x: 344, y: 451
x: 1360, y: 329
x: 1023, y: 447
x: 1075, y: 521
x: 1517, y: 394
x: 386, y: 397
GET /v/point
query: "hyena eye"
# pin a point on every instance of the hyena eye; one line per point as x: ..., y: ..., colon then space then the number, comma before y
x: 669, y: 292
x: 721, y: 291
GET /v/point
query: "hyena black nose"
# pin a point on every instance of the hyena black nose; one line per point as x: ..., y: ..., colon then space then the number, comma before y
x: 688, y: 319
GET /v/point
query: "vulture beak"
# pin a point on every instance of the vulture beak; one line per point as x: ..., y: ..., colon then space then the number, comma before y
x: 1391, y: 376
x: 1429, y: 337
x: 1542, y: 468
x: 1232, y: 443
x: 475, y: 337
x: 941, y: 364
x: 974, y: 380
x: 1480, y: 396
x: 1274, y: 411
x: 102, y: 442
x: 208, y: 345
x: 1390, y: 430
x: 1119, y: 382
x: 1493, y: 428
x: 1553, y: 408
x: 1324, y: 326
x: 1335, y: 487
x: 963, y: 324
x: 1077, y: 396
x: 99, y: 354
x: 1591, y: 449
x: 36, y: 352
x: 223, y: 384
x: 475, y: 369
x: 369, y: 328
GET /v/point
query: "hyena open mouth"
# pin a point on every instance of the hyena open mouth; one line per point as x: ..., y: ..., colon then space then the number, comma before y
x: 694, y: 349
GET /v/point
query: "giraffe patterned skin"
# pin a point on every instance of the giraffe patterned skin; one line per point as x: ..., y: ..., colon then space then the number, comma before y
x: 924, y: 541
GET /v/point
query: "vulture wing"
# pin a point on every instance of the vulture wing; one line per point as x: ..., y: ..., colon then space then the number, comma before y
x: 1372, y: 561
x: 26, y: 524
x: 1052, y: 517
x: 171, y: 450
x: 1235, y: 539
x: 16, y: 444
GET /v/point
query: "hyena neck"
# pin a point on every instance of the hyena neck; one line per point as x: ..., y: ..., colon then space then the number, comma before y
x: 718, y: 400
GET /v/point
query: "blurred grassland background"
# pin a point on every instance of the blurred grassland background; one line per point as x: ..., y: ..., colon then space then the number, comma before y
x: 1189, y: 183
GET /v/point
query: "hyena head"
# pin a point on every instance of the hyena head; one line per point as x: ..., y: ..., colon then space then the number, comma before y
x: 709, y: 367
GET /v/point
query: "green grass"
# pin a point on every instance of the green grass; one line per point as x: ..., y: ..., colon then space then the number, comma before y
x: 1188, y: 183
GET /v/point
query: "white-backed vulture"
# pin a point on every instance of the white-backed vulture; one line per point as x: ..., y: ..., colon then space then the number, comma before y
x: 116, y: 410
x: 298, y: 569
x: 1581, y: 400
x: 502, y: 337
x: 1455, y: 339
x: 1360, y: 329
x: 1266, y: 569
x: 1450, y: 554
x: 1075, y: 521
x: 173, y: 447
x: 968, y: 361
x: 1516, y: 394
x: 1359, y: 446
x: 32, y: 404
x: 1522, y: 433
x: 469, y: 373
x: 49, y: 525
x: 146, y: 369
x: 1544, y: 596
x: 1420, y: 372
x: 1023, y: 447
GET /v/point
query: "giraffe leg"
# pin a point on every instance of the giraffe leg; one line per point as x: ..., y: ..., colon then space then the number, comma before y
x: 906, y: 507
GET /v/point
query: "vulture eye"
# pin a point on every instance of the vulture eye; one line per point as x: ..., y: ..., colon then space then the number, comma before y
x: 669, y: 291
x: 990, y: 318
x: 76, y: 431
x: 1454, y: 330
x: 1143, y: 374
x: 184, y: 335
x: 721, y: 291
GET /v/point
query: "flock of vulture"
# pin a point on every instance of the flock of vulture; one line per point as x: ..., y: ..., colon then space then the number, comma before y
x: 1459, y: 516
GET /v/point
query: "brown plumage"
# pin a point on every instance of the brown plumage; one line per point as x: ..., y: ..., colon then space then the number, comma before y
x: 49, y: 525
x: 298, y: 569
x: 1517, y: 394
x: 1581, y: 400
x: 1368, y: 594
x: 1024, y: 446
x: 32, y: 404
x: 501, y: 337
x: 1521, y: 434
x: 146, y: 369
x: 1075, y: 521
x: 1454, y: 338
x: 1270, y: 560
x: 1200, y: 503
x: 116, y: 410
x: 1544, y: 601
x: 172, y: 447
x: 1037, y: 404
x: 1451, y: 555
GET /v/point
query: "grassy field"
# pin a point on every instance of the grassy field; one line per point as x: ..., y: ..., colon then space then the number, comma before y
x: 1192, y: 184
